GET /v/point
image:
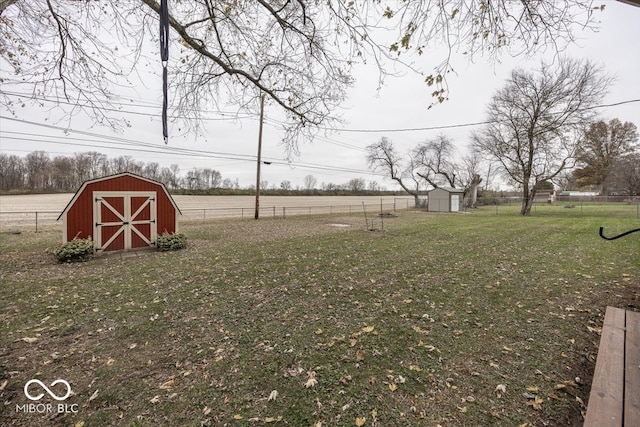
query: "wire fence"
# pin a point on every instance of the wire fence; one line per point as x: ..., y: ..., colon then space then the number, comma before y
x: 596, y: 206
x: 385, y: 205
x: 35, y: 219
x: 578, y: 206
x: 40, y: 218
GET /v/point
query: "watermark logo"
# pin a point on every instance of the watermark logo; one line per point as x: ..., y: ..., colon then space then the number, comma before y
x: 47, y: 389
x: 47, y: 408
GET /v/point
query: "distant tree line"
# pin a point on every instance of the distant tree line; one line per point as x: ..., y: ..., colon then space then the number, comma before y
x: 39, y: 172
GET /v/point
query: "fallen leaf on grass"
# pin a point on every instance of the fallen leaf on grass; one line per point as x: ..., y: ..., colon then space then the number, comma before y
x: 4, y: 384
x: 272, y: 419
x: 311, y: 380
x: 167, y: 384
x: 155, y: 399
x: 419, y: 330
x: 360, y: 421
x: 393, y: 387
x: 79, y: 424
x: 536, y: 403
x: 293, y: 371
x: 94, y: 395
x: 273, y: 395
x: 368, y: 329
x: 237, y: 417
x: 500, y: 390
x: 206, y: 410
x: 29, y: 340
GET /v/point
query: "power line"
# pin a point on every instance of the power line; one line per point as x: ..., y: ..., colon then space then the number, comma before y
x: 234, y: 116
x: 462, y: 125
x: 130, y: 145
x: 59, y: 100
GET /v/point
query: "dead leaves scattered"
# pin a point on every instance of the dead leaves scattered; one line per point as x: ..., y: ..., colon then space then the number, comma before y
x: 311, y: 380
x: 500, y: 390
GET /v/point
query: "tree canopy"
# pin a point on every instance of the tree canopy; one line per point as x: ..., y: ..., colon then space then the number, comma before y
x: 534, y: 121
x: 601, y: 147
x: 300, y: 53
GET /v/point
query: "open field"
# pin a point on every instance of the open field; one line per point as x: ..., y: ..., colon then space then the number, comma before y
x: 21, y: 209
x: 452, y: 320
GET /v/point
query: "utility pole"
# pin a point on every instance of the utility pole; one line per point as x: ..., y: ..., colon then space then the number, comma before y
x: 257, y: 213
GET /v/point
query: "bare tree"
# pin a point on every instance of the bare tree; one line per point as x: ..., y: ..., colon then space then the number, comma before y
x: 534, y: 121
x: 470, y: 176
x: 285, y: 185
x: 435, y: 161
x: 37, y: 168
x: 601, y: 146
x: 12, y: 172
x: 356, y: 185
x: 625, y: 174
x: 383, y: 157
x: 310, y: 182
x: 298, y: 53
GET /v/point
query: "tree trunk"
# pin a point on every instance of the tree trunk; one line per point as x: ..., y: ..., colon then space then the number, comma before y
x: 528, y: 196
x: 416, y: 200
x: 473, y: 197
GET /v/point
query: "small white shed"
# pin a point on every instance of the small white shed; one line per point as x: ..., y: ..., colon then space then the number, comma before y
x: 445, y: 199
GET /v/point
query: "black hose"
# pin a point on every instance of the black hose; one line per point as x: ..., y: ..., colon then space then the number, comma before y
x: 164, y: 55
x: 619, y: 235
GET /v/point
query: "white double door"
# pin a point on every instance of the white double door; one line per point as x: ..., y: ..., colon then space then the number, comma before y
x: 124, y: 220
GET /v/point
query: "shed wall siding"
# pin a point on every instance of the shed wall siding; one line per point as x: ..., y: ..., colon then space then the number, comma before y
x: 440, y: 200
x: 79, y: 217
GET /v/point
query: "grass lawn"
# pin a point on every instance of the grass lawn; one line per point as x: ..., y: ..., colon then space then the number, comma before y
x: 452, y: 320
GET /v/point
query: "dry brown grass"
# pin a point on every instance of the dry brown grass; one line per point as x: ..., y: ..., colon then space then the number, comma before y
x: 450, y: 320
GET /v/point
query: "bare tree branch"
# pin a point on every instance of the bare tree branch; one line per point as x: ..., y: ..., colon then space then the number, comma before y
x: 299, y: 53
x: 534, y: 121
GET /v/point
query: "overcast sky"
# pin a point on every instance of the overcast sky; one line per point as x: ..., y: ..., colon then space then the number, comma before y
x: 338, y: 156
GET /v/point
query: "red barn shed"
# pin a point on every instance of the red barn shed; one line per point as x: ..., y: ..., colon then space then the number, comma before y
x: 120, y: 212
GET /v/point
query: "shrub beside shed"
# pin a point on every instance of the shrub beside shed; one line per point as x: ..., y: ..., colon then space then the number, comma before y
x: 120, y: 212
x: 445, y: 199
